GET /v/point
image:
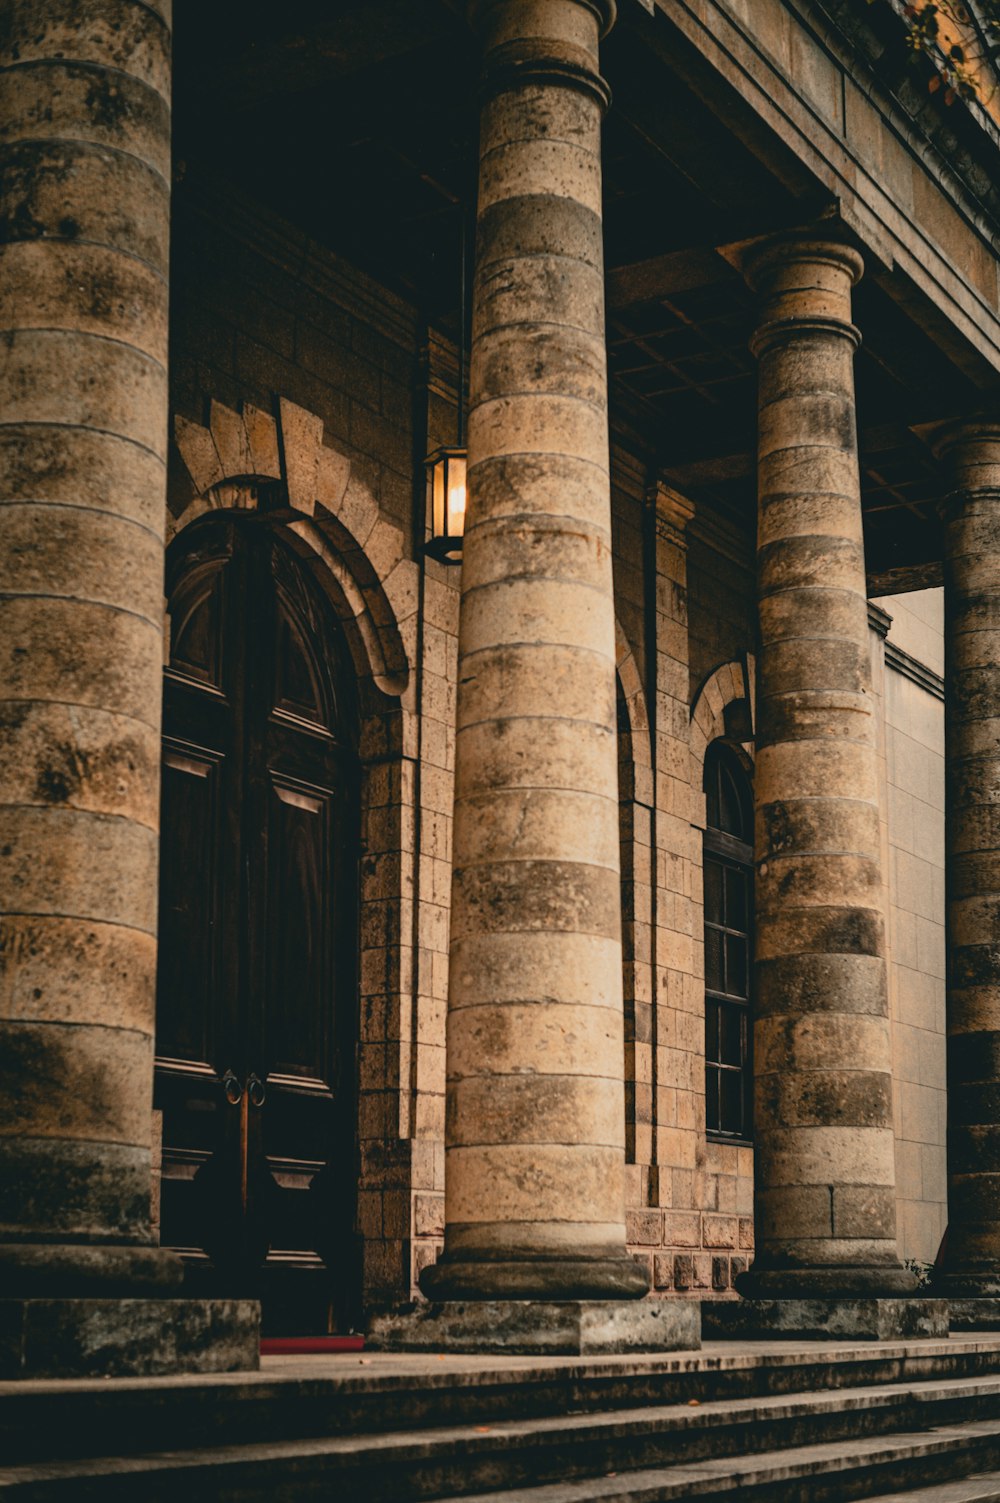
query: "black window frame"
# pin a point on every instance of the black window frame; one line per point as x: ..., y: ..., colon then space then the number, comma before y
x: 728, y: 1012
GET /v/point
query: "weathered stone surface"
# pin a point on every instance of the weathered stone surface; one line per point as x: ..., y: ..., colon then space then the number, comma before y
x: 115, y: 200
x: 111, y: 1338
x: 974, y: 1314
x: 821, y: 1319
x: 537, y: 1327
x: 74, y: 101
x: 91, y: 289
x: 535, y: 1165
x: 100, y: 471
x: 822, y: 1057
x: 133, y: 39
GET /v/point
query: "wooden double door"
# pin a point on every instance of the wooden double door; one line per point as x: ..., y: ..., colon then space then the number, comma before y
x: 258, y: 930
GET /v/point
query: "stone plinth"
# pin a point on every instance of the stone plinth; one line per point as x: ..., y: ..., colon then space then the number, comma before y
x: 975, y: 1314
x: 110, y: 1338
x: 542, y: 1327
x: 822, y: 1319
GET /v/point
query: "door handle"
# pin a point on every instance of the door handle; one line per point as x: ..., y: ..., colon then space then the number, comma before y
x: 251, y: 1093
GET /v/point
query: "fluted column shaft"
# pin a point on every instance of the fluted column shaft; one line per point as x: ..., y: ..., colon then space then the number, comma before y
x: 972, y: 835
x: 825, y: 1200
x: 534, y: 1186
x: 84, y: 195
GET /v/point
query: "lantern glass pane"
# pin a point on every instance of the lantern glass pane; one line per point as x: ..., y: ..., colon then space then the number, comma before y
x: 438, y: 518
x: 456, y: 495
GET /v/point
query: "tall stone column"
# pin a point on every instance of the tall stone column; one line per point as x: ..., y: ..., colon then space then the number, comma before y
x: 84, y: 218
x: 825, y: 1198
x: 972, y: 855
x: 535, y: 1160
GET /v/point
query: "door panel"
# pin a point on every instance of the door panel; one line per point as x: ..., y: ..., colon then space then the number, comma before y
x: 189, y: 893
x: 298, y: 979
x: 257, y: 986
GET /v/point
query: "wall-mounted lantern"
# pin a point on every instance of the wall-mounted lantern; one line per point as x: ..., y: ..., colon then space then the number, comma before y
x: 446, y: 468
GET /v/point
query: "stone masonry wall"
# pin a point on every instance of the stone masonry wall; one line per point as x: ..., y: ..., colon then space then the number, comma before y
x: 914, y: 741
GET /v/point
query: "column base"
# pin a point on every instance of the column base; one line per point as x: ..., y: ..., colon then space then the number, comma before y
x: 117, y: 1338
x: 888, y: 1281
x: 981, y: 1313
x: 541, y: 1328
x: 91, y: 1270
x: 825, y: 1319
x: 553, y: 1279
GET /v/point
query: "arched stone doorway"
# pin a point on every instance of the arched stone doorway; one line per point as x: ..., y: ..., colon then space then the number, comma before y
x: 257, y: 991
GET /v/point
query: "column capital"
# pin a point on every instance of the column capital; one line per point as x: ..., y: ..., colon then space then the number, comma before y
x: 673, y: 512
x: 769, y: 257
x: 970, y: 450
x: 542, y: 44
x: 953, y: 439
x: 804, y: 282
x: 604, y: 10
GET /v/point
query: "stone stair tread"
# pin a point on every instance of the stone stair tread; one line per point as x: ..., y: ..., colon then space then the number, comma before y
x: 979, y: 1487
x: 469, y: 1440
x: 730, y: 1474
x: 620, y: 1422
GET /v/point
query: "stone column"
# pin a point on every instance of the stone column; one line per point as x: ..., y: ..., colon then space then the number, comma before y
x: 825, y: 1195
x: 84, y: 218
x: 535, y: 1159
x: 84, y: 192
x: 972, y: 855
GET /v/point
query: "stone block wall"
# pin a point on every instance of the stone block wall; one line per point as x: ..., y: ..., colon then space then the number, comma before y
x: 914, y: 747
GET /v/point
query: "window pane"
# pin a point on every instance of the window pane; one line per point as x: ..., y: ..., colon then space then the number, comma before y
x: 711, y: 1030
x: 714, y: 911
x: 731, y: 1021
x: 728, y: 916
x: 713, y: 960
x: 731, y: 1105
x: 736, y: 898
x: 736, y: 965
x: 712, y: 1099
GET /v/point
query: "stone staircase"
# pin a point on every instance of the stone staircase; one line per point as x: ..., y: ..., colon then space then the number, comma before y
x: 777, y: 1421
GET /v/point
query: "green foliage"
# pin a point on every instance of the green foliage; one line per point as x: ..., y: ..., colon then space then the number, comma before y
x: 924, y: 1272
x: 967, y: 72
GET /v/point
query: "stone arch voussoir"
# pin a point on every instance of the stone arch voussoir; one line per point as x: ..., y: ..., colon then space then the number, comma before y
x: 279, y: 465
x: 731, y: 685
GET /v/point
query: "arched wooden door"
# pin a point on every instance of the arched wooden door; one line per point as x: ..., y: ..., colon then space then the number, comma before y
x: 258, y: 930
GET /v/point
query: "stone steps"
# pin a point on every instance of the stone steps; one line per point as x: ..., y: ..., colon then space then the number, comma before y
x: 310, y: 1397
x: 833, y: 1442
x: 832, y: 1473
x: 981, y: 1487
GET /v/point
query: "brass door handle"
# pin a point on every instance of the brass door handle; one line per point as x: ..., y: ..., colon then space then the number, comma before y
x: 251, y: 1093
x: 253, y: 1087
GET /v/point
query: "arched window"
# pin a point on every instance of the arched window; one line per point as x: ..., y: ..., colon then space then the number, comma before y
x: 728, y: 946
